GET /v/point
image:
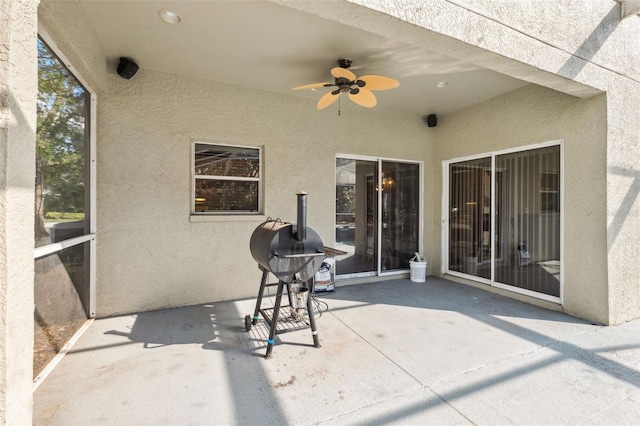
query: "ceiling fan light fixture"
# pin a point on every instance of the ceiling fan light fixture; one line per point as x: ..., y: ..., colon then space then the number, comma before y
x: 169, y: 17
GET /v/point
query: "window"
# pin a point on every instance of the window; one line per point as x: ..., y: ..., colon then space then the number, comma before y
x: 226, y: 179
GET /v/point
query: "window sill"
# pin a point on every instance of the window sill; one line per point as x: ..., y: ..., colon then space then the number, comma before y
x: 258, y: 218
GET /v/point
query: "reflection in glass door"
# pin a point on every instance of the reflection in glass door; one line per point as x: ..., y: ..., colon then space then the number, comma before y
x: 531, y: 213
x: 469, y: 217
x: 356, y: 215
x: 377, y: 215
x: 400, y: 206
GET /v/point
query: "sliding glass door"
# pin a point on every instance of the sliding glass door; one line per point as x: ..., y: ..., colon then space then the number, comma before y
x: 530, y: 210
x: 400, y: 183
x: 377, y: 215
x: 356, y: 215
x: 469, y: 217
x: 504, y: 220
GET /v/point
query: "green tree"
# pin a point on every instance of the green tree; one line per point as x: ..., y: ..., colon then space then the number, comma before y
x: 60, y: 140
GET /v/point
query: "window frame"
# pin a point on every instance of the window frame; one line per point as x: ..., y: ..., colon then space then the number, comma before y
x: 195, y: 177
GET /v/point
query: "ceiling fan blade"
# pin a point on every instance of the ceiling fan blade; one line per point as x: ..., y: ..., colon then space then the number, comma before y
x: 378, y: 82
x: 364, y: 97
x: 338, y: 72
x: 327, y: 100
x: 312, y: 86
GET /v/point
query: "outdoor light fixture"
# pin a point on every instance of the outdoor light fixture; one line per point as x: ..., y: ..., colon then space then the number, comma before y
x: 169, y: 17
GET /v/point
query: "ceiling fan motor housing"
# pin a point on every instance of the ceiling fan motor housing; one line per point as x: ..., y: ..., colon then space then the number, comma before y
x: 344, y: 63
x: 346, y: 85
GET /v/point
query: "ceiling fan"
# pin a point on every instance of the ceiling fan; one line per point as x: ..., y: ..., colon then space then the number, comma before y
x: 359, y: 89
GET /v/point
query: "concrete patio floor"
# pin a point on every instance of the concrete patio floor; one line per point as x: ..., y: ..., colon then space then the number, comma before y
x: 393, y: 352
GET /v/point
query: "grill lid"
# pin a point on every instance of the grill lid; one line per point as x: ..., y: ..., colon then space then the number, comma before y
x: 275, y: 248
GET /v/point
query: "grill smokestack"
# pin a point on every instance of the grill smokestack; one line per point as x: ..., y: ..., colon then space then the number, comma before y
x: 301, y: 229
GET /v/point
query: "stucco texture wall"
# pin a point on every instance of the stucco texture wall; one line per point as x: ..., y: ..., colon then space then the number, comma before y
x: 585, y: 56
x: 599, y: 49
x: 150, y: 253
x: 579, y: 48
x: 18, y: 89
x: 533, y: 115
x: 623, y: 199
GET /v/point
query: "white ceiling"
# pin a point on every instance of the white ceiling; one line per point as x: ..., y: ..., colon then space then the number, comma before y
x: 272, y: 47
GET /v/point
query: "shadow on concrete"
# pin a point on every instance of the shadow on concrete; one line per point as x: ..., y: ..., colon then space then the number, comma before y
x: 488, y: 308
x: 200, y: 364
x: 192, y: 324
x: 213, y: 327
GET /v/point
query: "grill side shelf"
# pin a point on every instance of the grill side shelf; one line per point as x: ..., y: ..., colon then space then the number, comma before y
x: 286, y: 256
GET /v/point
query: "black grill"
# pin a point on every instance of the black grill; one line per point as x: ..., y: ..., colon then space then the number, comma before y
x: 293, y: 253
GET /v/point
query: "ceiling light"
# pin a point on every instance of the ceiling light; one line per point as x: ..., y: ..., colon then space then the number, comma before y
x: 169, y: 17
x: 441, y: 84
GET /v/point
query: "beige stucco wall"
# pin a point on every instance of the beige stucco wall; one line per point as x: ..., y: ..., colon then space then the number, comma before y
x: 582, y: 56
x: 530, y: 116
x: 150, y: 253
x: 578, y: 48
x: 588, y: 42
x: 18, y: 90
x: 623, y: 199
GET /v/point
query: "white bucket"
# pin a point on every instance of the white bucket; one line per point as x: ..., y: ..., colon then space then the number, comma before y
x: 418, y: 271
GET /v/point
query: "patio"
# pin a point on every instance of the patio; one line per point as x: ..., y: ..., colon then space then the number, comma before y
x: 392, y: 352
